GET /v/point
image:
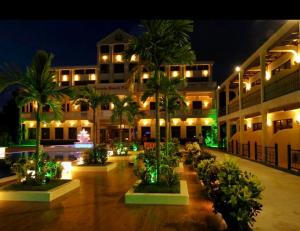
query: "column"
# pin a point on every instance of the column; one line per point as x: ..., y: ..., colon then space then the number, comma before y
x: 227, y: 134
x: 241, y: 134
x: 262, y: 73
x: 264, y: 134
x: 227, y: 95
x: 241, y: 84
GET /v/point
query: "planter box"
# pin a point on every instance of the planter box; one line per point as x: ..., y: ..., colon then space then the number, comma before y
x: 181, y: 198
x: 180, y: 168
x: 43, y: 196
x: 87, y: 168
x: 8, y: 179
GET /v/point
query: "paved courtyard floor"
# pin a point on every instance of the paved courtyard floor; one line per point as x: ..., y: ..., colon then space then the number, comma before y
x: 99, y: 205
x: 281, y: 197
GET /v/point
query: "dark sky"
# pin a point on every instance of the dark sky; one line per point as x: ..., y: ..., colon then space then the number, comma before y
x: 73, y: 42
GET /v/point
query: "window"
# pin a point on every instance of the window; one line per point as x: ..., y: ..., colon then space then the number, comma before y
x: 90, y: 71
x: 118, y: 48
x: 104, y: 68
x: 30, y: 107
x: 31, y: 133
x: 175, y: 131
x: 162, y: 68
x: 282, y: 124
x: 46, y: 108
x: 68, y: 107
x: 73, y: 133
x: 104, y: 49
x: 152, y: 105
x: 59, y: 133
x: 118, y: 80
x: 162, y: 133
x: 79, y: 72
x: 105, y: 106
x: 191, y: 132
x: 257, y: 126
x: 175, y: 68
x: 146, y: 133
x: 232, y: 130
x: 104, y: 81
x: 65, y: 72
x: 45, y: 133
x: 84, y: 107
x: 118, y: 68
x: 245, y: 127
x: 197, y: 105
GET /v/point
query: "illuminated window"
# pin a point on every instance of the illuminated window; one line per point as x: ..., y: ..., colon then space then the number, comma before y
x: 145, y: 76
x: 205, y: 73
x: 119, y: 58
x: 104, y: 58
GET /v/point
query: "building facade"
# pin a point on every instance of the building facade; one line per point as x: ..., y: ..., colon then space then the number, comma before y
x: 259, y: 103
x: 110, y: 76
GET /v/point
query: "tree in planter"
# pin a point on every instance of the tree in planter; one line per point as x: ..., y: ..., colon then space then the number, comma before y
x: 235, y: 194
x: 88, y: 95
x: 122, y: 108
x: 163, y: 42
x: 37, y: 86
x: 96, y: 155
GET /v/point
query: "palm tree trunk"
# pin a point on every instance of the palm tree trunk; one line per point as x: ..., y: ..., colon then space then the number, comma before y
x: 121, y: 128
x: 166, y: 124
x: 157, y: 128
x: 129, y: 129
x: 38, y: 136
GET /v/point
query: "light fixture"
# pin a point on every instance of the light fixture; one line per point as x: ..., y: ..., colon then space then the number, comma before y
x: 175, y: 73
x: 65, y: 78
x: 112, y: 106
x: 104, y: 57
x: 205, y: 73
x: 206, y: 121
x: 205, y: 103
x: 175, y: 121
x: 86, y: 123
x: 237, y: 69
x: 125, y: 104
x: 76, y: 77
x: 145, y: 104
x: 248, y: 86
x: 31, y: 124
x: 268, y: 75
x: 93, y: 76
x: 297, y: 118
x: 119, y: 58
x: 133, y: 58
x: 249, y: 125
x: 145, y: 76
x: 269, y: 122
x: 161, y: 122
x: 188, y: 74
x: 190, y: 121
x: 297, y: 58
x: 219, y: 87
x: 2, y: 152
x: 57, y: 123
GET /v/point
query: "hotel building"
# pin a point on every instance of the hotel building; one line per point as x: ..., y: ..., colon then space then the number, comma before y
x: 110, y: 76
x: 259, y: 103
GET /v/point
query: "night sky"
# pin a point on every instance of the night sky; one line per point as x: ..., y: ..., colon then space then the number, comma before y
x: 73, y: 42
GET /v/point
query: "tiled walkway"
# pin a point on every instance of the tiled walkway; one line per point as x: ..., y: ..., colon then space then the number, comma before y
x: 99, y: 205
x: 281, y: 197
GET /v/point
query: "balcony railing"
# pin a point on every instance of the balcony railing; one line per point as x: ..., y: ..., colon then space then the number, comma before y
x: 282, y: 86
x: 252, y: 98
x: 233, y: 107
x: 179, y: 114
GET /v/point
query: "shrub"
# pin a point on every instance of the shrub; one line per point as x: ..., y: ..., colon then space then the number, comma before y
x: 134, y: 146
x: 234, y: 193
x: 193, y: 149
x: 145, y: 169
x: 47, y: 170
x: 121, y: 149
x: 204, y: 155
x: 96, y: 155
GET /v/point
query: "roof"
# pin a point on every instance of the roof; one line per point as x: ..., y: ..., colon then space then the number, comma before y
x: 117, y: 36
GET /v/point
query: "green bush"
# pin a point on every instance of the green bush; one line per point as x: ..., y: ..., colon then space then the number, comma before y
x: 134, y: 146
x: 234, y: 193
x: 96, y: 155
x: 145, y: 169
x: 120, y: 149
x: 25, y: 169
x: 204, y: 155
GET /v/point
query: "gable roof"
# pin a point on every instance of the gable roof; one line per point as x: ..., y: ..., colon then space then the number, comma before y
x: 117, y: 36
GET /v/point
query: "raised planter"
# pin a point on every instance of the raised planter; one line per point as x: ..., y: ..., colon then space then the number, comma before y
x: 180, y: 168
x: 43, y: 196
x: 181, y: 198
x: 8, y: 179
x: 85, y: 168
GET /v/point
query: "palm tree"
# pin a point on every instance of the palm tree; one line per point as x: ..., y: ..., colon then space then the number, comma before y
x: 171, y: 96
x: 163, y: 42
x: 38, y: 87
x: 122, y: 107
x: 132, y: 113
x: 88, y: 95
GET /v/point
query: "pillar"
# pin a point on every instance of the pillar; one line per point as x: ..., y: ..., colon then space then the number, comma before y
x: 227, y: 95
x: 262, y: 73
x: 264, y: 135
x: 241, y: 133
x: 227, y: 134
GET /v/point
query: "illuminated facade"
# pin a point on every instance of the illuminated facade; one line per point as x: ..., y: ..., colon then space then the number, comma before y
x: 110, y: 76
x: 259, y: 103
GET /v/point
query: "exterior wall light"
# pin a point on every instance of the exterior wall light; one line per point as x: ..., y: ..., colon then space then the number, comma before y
x: 237, y: 69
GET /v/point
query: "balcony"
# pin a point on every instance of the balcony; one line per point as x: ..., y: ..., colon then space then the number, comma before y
x: 180, y: 114
x: 282, y: 85
x: 251, y: 98
x: 233, y: 106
